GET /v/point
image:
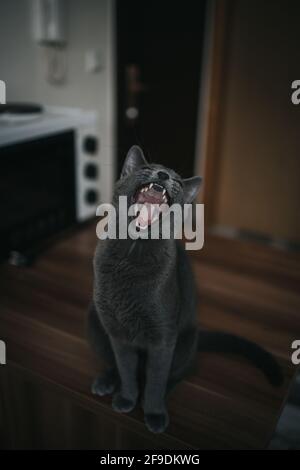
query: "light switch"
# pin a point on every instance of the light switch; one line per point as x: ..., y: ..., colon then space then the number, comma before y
x: 93, y: 61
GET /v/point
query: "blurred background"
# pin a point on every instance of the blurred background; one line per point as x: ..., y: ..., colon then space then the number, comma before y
x: 204, y: 87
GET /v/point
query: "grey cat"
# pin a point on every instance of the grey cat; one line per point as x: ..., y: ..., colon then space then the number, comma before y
x: 143, y: 317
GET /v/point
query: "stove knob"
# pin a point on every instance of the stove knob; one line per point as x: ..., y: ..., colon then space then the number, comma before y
x: 91, y: 196
x: 91, y: 171
x: 90, y: 144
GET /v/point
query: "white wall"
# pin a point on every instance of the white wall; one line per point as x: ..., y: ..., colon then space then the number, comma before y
x: 90, y: 25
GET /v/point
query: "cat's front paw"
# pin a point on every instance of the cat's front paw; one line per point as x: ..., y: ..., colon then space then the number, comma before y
x: 104, y: 385
x: 122, y: 404
x: 157, y: 422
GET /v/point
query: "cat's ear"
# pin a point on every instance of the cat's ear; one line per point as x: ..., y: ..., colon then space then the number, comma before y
x: 191, y: 187
x: 134, y: 159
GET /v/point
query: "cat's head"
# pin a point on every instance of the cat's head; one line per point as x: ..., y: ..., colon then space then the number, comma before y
x: 149, y: 184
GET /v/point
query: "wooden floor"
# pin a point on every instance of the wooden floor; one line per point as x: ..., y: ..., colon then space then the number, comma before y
x: 45, y: 387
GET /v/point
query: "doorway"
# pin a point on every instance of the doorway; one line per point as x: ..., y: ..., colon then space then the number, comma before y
x: 159, y: 49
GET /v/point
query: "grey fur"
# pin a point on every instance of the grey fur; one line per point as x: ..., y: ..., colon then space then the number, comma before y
x: 143, y: 314
x: 142, y: 319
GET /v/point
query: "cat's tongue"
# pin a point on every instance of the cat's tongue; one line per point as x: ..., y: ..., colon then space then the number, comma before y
x: 149, y: 202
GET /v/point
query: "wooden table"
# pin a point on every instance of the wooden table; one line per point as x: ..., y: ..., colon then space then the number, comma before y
x: 45, y: 399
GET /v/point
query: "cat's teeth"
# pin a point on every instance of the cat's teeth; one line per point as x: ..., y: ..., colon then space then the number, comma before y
x: 164, y: 192
x: 150, y: 185
x: 146, y: 188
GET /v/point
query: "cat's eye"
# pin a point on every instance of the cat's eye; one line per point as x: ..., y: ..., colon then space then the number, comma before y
x: 145, y: 168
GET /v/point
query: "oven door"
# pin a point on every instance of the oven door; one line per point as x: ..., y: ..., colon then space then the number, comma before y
x: 37, y: 187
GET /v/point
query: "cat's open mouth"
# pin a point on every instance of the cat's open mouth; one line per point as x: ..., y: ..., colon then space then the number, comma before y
x: 151, y: 201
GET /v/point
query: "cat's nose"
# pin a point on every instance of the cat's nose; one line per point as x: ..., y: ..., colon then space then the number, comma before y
x: 163, y: 176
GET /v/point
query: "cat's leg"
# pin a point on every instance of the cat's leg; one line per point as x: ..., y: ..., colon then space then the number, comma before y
x: 107, y: 382
x: 157, y: 372
x: 126, y: 357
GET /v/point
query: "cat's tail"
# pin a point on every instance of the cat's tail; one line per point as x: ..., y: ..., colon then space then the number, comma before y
x: 217, y: 341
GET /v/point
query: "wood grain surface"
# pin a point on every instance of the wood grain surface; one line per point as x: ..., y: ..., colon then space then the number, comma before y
x: 45, y: 399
